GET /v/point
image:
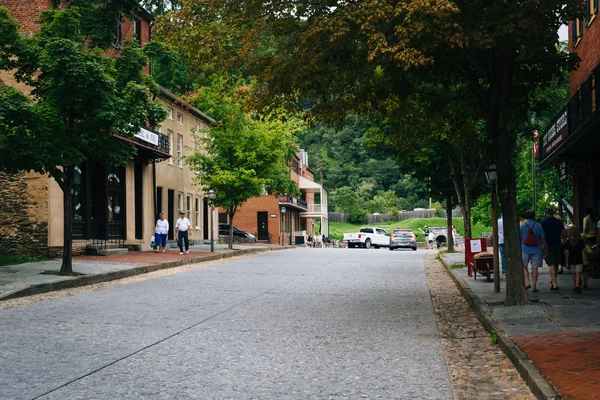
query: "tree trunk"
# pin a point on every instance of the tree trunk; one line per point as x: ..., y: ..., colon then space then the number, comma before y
x: 449, y: 223
x: 66, y: 267
x: 468, y: 198
x: 231, y: 215
x: 466, y: 212
x: 498, y: 128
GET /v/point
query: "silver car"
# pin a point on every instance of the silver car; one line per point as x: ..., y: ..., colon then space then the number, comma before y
x: 403, y: 238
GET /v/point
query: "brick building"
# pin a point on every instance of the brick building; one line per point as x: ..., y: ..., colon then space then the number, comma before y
x: 111, y: 204
x: 265, y: 218
x: 572, y: 141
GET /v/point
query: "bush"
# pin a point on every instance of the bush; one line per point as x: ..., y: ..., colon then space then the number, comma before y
x: 357, y: 216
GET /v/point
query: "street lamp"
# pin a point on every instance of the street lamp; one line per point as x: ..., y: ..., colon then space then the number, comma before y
x: 283, y: 211
x: 211, y: 197
x: 492, y: 176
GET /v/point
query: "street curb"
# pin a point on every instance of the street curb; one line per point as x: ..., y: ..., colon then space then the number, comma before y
x: 540, y: 387
x: 85, y: 280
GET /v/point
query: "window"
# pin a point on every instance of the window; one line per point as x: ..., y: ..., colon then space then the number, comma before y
x: 170, y: 135
x: 576, y: 31
x: 197, y: 209
x: 180, y: 151
x: 169, y: 113
x: 188, y: 203
x: 138, y: 30
x: 591, y: 10
x: 180, y: 118
x: 180, y: 201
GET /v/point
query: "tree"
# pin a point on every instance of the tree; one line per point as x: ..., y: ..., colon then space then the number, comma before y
x: 364, y: 58
x: 240, y: 157
x: 80, y: 96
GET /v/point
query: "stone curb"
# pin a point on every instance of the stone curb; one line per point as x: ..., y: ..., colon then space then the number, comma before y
x: 540, y: 387
x: 85, y: 280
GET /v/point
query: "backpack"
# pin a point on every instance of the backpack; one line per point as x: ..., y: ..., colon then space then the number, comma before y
x: 531, y: 240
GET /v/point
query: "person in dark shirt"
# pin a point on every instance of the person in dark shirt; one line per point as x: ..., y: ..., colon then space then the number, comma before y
x: 574, y: 254
x: 555, y: 238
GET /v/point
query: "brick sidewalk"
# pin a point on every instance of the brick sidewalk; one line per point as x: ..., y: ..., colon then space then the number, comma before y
x: 141, y: 257
x: 570, y: 361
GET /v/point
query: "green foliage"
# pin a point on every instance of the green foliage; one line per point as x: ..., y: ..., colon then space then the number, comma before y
x: 240, y: 157
x: 357, y: 216
x: 14, y: 260
x: 344, y: 199
x: 80, y: 97
x: 438, y: 208
x: 494, y: 336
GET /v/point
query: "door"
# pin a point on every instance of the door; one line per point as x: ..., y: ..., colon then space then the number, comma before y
x: 206, y: 215
x: 115, y: 220
x: 383, y: 238
x: 171, y: 212
x: 159, y: 203
x: 138, y: 199
x: 263, y: 225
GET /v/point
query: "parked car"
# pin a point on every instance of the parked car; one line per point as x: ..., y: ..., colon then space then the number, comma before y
x: 403, y: 238
x: 237, y: 232
x: 368, y: 237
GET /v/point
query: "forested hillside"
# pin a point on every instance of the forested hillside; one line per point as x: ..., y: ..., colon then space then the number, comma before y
x: 356, y: 175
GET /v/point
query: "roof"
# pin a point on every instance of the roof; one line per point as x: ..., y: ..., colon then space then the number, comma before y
x: 192, y: 110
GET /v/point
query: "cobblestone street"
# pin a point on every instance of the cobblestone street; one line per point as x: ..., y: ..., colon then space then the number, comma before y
x: 478, y: 368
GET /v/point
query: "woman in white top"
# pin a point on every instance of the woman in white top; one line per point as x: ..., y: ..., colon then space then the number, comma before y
x: 162, y: 228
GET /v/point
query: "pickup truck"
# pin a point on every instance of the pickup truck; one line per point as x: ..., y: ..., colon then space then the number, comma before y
x: 368, y: 237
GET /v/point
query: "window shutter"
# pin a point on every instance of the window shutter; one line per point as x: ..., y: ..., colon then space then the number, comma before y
x: 595, y: 6
x: 580, y: 27
x: 587, y: 10
x: 573, y: 32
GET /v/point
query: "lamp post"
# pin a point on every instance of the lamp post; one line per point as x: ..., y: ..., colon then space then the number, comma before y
x: 211, y: 197
x: 283, y: 210
x: 492, y: 176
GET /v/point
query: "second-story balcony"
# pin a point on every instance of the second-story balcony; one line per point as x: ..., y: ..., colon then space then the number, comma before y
x: 293, y: 202
x: 152, y: 146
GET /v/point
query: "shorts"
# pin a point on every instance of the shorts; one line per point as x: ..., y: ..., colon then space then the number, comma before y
x: 431, y: 241
x: 554, y: 255
x: 577, y: 267
x: 537, y: 260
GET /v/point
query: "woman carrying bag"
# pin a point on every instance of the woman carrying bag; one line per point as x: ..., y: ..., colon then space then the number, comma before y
x: 161, y: 230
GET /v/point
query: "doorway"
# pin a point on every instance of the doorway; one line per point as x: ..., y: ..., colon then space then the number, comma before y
x: 263, y: 225
x: 171, y: 212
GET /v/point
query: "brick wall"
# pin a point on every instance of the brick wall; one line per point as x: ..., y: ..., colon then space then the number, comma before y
x: 246, y: 218
x: 24, y: 214
x: 27, y: 12
x: 588, y: 50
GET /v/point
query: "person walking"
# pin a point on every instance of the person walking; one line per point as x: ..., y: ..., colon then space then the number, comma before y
x: 430, y: 238
x: 161, y: 230
x: 554, y: 229
x: 574, y: 253
x: 181, y: 230
x: 533, y: 248
x: 501, y: 244
x: 589, y: 226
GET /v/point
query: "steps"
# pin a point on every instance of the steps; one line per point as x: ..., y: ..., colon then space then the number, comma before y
x: 112, y: 252
x: 106, y: 250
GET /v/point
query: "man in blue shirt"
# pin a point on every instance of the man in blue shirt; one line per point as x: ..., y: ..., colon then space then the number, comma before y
x: 555, y: 238
x: 532, y: 250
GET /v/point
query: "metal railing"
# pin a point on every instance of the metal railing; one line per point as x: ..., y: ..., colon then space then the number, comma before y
x: 113, y: 238
x: 293, y: 201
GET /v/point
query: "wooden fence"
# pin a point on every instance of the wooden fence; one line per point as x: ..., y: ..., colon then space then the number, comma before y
x: 401, y: 216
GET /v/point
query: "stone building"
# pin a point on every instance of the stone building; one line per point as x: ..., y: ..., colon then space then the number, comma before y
x: 116, y: 205
x: 263, y: 216
x: 571, y: 142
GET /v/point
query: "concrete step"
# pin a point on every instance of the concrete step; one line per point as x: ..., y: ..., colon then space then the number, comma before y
x: 103, y: 246
x: 113, y: 252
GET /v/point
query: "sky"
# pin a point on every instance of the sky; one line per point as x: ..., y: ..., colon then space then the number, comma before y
x: 563, y: 33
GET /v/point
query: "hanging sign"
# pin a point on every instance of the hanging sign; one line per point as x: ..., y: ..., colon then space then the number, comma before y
x: 147, y: 136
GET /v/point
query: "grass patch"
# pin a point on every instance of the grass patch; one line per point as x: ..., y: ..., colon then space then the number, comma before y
x: 458, y: 266
x: 337, y: 229
x: 14, y: 260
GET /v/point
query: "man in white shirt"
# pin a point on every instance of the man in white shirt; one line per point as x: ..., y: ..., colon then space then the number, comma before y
x: 181, y: 230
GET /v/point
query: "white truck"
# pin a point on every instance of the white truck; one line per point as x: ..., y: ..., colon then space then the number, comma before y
x: 367, y: 237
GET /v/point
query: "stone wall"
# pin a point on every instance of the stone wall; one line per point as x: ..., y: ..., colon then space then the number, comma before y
x: 24, y: 214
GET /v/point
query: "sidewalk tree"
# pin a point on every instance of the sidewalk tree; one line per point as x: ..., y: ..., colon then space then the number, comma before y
x: 80, y: 96
x: 240, y: 157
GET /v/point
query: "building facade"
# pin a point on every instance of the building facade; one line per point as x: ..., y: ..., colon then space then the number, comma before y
x: 112, y: 204
x: 571, y: 142
x: 286, y: 220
